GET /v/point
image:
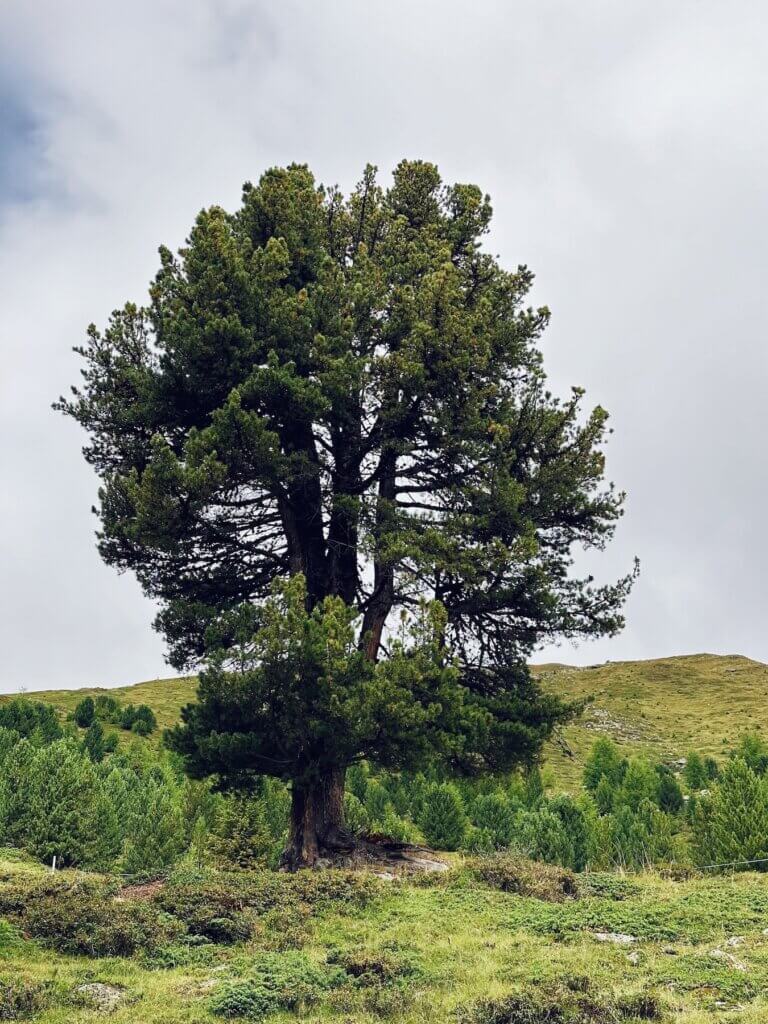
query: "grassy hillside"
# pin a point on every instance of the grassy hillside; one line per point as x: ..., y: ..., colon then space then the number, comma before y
x: 492, y: 939
x: 665, y: 707
x: 453, y: 948
x: 165, y: 696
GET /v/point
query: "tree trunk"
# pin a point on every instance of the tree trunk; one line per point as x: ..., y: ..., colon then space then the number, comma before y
x: 317, y: 829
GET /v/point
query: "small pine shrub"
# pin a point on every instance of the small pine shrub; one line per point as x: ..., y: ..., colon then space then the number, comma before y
x: 670, y: 795
x: 480, y: 840
x: 139, y: 719
x: 753, y: 751
x: 107, y: 708
x: 277, y: 981
x: 242, y: 839
x: 93, y: 744
x: 199, y: 845
x: 155, y: 829
x: 357, y: 780
x: 110, y: 743
x: 276, y: 805
x: 401, y: 798
x: 695, y: 773
x: 640, y: 783
x: 443, y: 819
x: 355, y: 815
x: 396, y: 828
x: 63, y: 813
x: 245, y: 1000
x: 575, y: 820
x: 377, y: 802
x: 604, y: 761
x: 84, y: 713
x: 544, y: 836
x: 494, y: 816
x: 605, y: 795
x: 533, y: 792
x: 731, y: 824
x: 29, y: 718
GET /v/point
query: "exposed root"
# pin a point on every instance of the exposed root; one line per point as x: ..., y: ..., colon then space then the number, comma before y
x: 381, y: 854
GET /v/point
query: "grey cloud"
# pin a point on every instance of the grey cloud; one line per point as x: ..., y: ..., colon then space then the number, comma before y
x: 624, y: 147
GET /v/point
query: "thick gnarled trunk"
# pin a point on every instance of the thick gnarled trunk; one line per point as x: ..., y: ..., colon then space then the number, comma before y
x: 317, y: 829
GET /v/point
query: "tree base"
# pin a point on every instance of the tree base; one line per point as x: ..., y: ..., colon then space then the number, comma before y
x: 377, y: 853
x: 319, y: 838
x: 318, y: 852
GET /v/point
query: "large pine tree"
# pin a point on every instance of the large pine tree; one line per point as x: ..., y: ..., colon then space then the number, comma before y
x: 350, y: 390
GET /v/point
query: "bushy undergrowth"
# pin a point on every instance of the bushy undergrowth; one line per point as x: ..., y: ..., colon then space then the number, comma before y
x: 87, y: 920
x: 168, y: 925
x: 563, y: 1008
x: 215, y: 911
x: 21, y: 998
x: 72, y: 795
x: 384, y: 966
x: 284, y: 981
x: 514, y: 874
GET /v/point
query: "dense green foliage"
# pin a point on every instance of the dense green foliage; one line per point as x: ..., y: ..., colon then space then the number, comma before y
x: 107, y: 709
x: 30, y: 718
x: 319, y: 380
x: 303, y: 678
x: 133, y: 810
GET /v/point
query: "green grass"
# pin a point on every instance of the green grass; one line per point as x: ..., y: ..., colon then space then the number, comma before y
x: 457, y: 942
x: 664, y: 708
x: 462, y: 941
x: 166, y: 697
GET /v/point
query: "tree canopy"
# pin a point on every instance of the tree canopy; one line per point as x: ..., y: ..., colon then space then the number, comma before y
x: 350, y: 389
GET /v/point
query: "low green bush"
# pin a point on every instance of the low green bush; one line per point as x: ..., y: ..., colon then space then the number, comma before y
x: 383, y: 966
x: 350, y: 889
x: 84, y: 921
x: 607, y: 885
x: 510, y: 873
x: 21, y: 998
x: 561, y: 1008
x: 17, y: 895
x: 191, y: 953
x: 217, y: 912
x: 243, y: 1000
x: 276, y: 981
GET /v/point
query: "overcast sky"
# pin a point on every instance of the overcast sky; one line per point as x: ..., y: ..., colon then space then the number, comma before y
x: 624, y: 147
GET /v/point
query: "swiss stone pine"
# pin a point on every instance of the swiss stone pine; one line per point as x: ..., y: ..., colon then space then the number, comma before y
x: 327, y: 449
